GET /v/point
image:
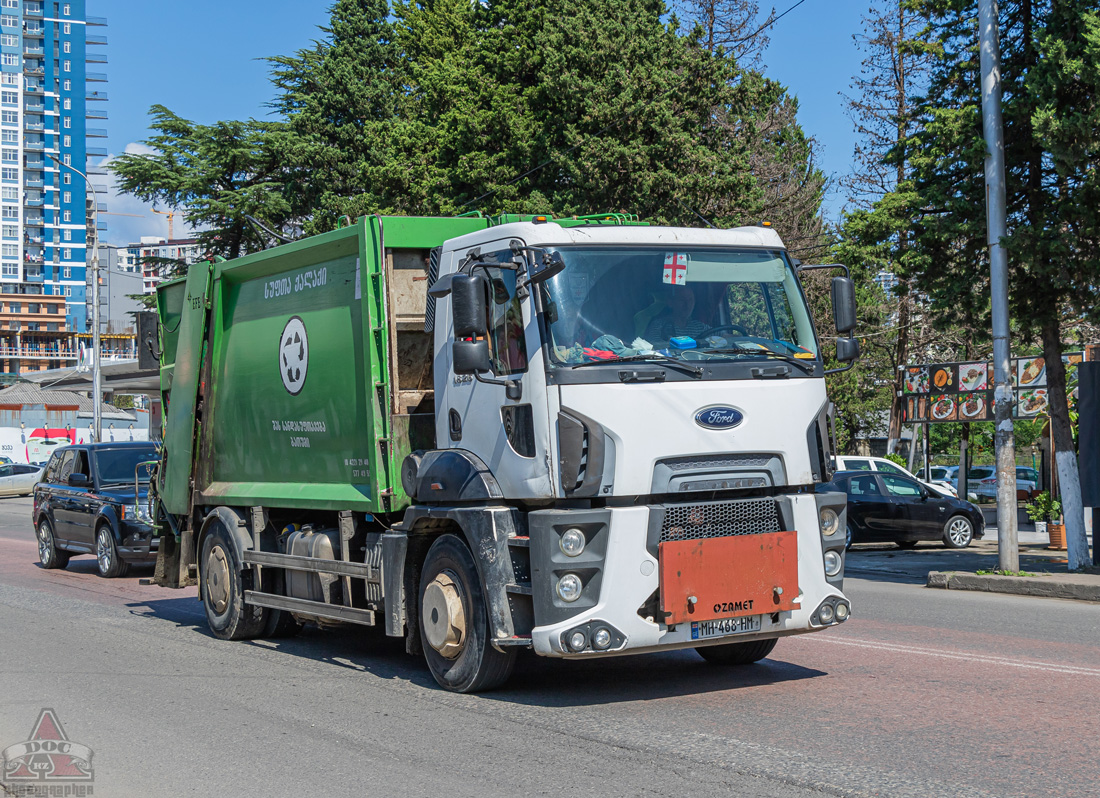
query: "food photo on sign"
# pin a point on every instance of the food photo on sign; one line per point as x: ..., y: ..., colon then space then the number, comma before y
x: 975, y: 407
x: 1031, y: 403
x: 1032, y: 372
x: 916, y: 380
x: 916, y: 409
x: 943, y: 408
x: 943, y: 377
x: 973, y: 376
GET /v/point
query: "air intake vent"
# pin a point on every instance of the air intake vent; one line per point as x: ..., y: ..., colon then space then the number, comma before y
x: 720, y: 519
x: 433, y: 275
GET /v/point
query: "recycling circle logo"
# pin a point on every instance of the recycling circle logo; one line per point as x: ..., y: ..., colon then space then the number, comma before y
x: 293, y: 355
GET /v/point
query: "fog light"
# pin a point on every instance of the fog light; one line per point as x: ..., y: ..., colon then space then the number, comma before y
x: 826, y: 613
x: 830, y: 521
x: 841, y: 611
x: 602, y: 639
x: 572, y: 542
x: 577, y: 641
x: 833, y: 563
x: 569, y: 587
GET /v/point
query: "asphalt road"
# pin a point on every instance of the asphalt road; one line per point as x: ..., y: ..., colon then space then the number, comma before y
x: 922, y: 693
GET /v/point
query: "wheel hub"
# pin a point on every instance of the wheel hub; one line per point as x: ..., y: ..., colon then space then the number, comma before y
x: 103, y: 550
x: 217, y: 579
x: 445, y: 616
x: 44, y: 544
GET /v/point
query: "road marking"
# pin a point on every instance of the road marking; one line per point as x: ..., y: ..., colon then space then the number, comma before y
x: 986, y: 659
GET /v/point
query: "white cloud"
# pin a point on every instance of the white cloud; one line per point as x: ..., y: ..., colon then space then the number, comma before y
x: 128, y: 218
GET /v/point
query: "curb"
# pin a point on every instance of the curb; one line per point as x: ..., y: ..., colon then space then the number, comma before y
x: 1043, y: 585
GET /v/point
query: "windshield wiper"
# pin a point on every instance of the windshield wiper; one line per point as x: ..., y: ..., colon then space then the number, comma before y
x: 696, y: 371
x: 807, y: 367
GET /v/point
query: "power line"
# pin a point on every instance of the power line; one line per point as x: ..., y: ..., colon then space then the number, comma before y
x: 622, y: 118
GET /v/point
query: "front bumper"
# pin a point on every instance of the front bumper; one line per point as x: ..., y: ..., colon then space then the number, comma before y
x: 621, y: 575
x: 139, y: 544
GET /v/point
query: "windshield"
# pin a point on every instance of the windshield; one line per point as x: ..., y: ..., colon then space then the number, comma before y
x: 117, y: 465
x: 690, y: 303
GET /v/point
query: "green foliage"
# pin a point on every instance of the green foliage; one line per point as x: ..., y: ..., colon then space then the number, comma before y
x: 1044, y: 508
x: 220, y: 173
x: 897, y: 459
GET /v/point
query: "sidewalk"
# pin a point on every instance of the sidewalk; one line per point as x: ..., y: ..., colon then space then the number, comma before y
x: 956, y: 569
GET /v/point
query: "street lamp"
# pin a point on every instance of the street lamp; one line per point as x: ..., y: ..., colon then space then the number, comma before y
x: 97, y: 378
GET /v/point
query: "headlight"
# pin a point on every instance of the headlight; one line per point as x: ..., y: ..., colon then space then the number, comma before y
x: 602, y: 638
x: 569, y: 587
x: 826, y: 613
x: 833, y: 562
x: 830, y: 521
x: 577, y: 641
x: 572, y: 542
x: 841, y: 611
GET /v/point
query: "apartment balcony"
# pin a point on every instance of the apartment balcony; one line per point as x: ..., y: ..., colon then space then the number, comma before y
x: 34, y: 108
x: 33, y: 221
x: 33, y: 51
x: 96, y: 152
x: 34, y: 126
x: 31, y: 88
x: 95, y: 38
x: 96, y: 113
x: 95, y: 77
x: 33, y: 241
x: 95, y: 57
x: 37, y: 352
x: 34, y: 71
x: 96, y: 22
x: 34, y: 183
x: 32, y: 202
x: 33, y: 164
x: 32, y: 11
x: 97, y: 171
x: 33, y: 274
x: 96, y: 132
x: 96, y: 96
x: 34, y: 145
x: 33, y: 31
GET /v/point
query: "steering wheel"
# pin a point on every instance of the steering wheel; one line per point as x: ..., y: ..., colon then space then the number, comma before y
x: 737, y: 328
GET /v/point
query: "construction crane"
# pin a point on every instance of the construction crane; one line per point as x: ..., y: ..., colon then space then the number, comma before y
x: 171, y: 215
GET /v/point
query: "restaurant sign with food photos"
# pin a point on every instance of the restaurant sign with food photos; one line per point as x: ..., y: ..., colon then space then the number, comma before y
x: 943, y: 392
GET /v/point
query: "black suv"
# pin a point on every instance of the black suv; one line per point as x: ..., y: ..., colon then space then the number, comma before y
x: 86, y: 504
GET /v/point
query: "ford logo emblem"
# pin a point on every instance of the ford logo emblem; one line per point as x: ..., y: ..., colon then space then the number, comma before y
x: 719, y: 417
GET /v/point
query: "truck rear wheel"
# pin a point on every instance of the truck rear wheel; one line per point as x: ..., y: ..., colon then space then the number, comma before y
x: 737, y: 653
x: 222, y: 589
x: 454, y: 622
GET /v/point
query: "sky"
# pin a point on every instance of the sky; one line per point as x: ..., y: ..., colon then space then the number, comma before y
x: 204, y: 61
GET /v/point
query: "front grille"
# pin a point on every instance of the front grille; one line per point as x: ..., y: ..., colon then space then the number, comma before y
x: 717, y: 461
x: 720, y: 519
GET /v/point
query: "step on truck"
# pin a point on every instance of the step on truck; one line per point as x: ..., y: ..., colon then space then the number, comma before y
x: 584, y: 437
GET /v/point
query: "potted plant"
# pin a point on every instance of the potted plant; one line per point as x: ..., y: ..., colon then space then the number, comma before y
x: 1046, y: 510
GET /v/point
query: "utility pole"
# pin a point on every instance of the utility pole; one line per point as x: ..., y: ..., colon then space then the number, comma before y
x: 1008, y: 547
x: 97, y: 375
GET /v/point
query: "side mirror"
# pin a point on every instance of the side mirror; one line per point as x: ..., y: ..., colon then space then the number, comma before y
x: 79, y: 480
x: 470, y: 357
x: 847, y: 349
x: 844, y: 304
x: 468, y: 305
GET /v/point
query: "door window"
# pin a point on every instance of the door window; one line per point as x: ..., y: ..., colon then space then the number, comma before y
x: 856, y: 465
x: 508, y: 348
x: 80, y: 463
x: 889, y: 468
x: 66, y: 468
x: 6, y: 471
x: 897, y: 486
x: 864, y: 486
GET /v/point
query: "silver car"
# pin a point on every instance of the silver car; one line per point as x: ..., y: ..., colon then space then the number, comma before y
x: 17, y: 479
x: 982, y: 482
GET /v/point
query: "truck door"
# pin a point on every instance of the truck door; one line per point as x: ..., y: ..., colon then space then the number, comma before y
x: 509, y: 433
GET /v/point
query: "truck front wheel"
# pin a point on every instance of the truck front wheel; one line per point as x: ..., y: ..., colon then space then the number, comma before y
x: 454, y: 621
x: 222, y: 589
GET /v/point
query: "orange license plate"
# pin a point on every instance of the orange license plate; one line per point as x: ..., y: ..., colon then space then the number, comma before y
x: 713, y: 578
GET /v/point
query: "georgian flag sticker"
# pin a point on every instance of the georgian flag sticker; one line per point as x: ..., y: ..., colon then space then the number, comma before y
x: 676, y: 268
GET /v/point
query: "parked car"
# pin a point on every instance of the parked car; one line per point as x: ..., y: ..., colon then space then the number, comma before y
x: 890, y: 507
x: 845, y: 463
x: 981, y: 481
x: 86, y: 504
x: 17, y: 479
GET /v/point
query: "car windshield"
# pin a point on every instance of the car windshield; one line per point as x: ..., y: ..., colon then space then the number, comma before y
x: 980, y: 473
x: 690, y: 303
x: 117, y: 465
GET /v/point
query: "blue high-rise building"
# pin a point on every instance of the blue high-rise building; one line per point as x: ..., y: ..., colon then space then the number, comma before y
x: 51, y: 114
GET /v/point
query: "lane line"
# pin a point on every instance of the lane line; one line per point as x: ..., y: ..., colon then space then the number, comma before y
x: 985, y: 659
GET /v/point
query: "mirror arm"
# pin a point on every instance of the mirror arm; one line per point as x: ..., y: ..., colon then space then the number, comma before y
x: 513, y: 389
x: 839, y: 370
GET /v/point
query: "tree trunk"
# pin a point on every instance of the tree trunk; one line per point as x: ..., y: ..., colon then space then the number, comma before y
x: 1065, y: 457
